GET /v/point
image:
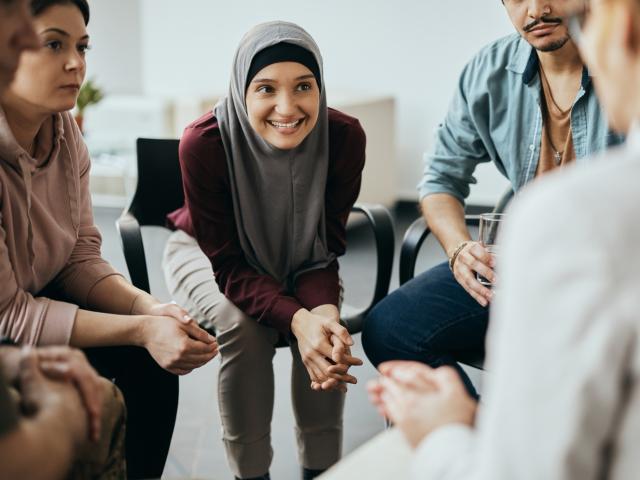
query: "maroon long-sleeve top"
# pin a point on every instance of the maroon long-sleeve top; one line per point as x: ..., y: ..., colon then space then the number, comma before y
x: 208, y: 216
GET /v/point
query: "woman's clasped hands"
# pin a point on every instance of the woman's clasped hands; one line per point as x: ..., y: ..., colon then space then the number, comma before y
x: 325, y: 347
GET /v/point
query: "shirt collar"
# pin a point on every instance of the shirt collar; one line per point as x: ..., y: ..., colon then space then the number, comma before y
x: 525, y: 62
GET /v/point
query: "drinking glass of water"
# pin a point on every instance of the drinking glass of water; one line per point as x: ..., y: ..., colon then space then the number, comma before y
x: 490, y: 225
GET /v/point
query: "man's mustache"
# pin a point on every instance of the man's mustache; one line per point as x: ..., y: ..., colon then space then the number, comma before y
x: 538, y: 21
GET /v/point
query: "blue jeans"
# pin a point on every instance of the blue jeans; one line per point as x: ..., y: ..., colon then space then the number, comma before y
x: 430, y: 319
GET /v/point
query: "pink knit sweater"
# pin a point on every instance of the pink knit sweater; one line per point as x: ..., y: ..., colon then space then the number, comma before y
x: 49, y: 246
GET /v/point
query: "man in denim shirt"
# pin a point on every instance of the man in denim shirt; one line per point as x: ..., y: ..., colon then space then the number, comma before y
x: 525, y: 103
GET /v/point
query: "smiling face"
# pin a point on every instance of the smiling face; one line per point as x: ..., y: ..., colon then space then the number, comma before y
x: 16, y: 35
x: 539, y: 22
x: 48, y: 79
x: 283, y: 102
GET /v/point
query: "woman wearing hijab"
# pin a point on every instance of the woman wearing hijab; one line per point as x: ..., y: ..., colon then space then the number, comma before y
x: 56, y: 287
x: 270, y: 176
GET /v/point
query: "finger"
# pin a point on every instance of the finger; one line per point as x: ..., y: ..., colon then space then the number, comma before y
x: 477, y: 290
x: 340, y: 372
x: 386, y: 367
x: 448, y: 379
x: 479, y: 252
x: 197, y: 333
x: 315, y: 386
x: 334, y: 385
x: 340, y: 332
x: 483, y: 270
x: 314, y: 374
x: 196, y: 347
x: 344, y: 378
x: 329, y: 384
x: 339, y: 369
x: 172, y: 309
x: 56, y: 370
x: 57, y: 352
x: 339, y: 348
x: 322, y: 364
x: 351, y: 360
x: 88, y: 384
x: 411, y: 378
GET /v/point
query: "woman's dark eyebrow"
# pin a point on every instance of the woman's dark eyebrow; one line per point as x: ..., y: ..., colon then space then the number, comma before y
x: 61, y: 32
x: 268, y: 80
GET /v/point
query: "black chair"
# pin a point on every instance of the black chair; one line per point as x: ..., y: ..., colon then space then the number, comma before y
x: 413, y: 239
x: 159, y: 192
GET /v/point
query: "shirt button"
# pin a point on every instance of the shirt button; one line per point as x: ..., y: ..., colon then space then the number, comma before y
x: 532, y: 147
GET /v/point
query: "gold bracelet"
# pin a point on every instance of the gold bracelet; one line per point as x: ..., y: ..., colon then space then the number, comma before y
x: 456, y: 252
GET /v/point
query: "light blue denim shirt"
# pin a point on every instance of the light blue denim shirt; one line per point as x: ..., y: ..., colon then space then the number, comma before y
x: 495, y: 116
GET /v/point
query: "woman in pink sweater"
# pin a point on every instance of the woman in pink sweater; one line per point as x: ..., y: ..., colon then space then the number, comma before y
x: 56, y: 287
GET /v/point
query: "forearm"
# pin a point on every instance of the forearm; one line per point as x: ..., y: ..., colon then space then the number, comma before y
x: 445, y: 216
x: 116, y: 295
x: 93, y: 329
x: 39, y: 448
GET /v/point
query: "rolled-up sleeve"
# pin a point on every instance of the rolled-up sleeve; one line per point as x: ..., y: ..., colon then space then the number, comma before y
x: 458, y: 148
x: 26, y: 319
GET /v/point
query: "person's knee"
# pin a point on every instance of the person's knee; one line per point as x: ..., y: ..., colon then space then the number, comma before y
x: 243, y: 335
x: 374, y: 333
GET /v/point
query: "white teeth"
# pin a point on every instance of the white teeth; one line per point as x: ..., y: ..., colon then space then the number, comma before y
x: 284, y: 125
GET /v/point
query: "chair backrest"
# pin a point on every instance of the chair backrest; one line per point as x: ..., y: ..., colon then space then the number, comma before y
x: 159, y: 188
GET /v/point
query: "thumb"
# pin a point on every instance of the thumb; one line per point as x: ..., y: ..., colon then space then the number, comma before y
x: 197, y: 333
x: 447, y: 379
x: 176, y: 311
x: 340, y: 332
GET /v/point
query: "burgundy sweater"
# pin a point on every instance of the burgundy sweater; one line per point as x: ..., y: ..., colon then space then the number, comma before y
x: 208, y: 216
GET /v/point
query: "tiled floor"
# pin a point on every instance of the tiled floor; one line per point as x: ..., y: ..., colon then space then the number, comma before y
x: 196, y: 449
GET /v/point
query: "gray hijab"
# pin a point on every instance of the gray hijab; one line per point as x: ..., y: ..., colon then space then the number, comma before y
x: 278, y: 195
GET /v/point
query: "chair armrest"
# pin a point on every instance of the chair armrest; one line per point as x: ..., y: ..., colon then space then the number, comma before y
x: 133, y: 248
x: 413, y: 239
x: 381, y: 223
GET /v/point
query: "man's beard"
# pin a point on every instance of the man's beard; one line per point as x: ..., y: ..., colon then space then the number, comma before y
x: 552, y: 47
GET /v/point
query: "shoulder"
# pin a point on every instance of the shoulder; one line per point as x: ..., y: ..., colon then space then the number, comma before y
x: 68, y: 128
x: 201, y: 139
x: 65, y: 125
x: 492, y: 60
x: 344, y: 128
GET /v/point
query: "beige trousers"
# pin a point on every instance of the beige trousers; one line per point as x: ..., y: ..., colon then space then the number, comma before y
x: 245, y: 383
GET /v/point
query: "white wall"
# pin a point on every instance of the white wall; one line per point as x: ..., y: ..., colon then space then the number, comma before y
x: 116, y: 56
x: 412, y: 50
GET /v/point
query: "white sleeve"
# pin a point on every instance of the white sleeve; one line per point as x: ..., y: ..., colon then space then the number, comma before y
x: 556, y: 355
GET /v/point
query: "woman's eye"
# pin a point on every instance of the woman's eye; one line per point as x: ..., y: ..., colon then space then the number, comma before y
x: 54, y: 45
x: 265, y: 89
x: 84, y: 48
x: 304, y: 87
